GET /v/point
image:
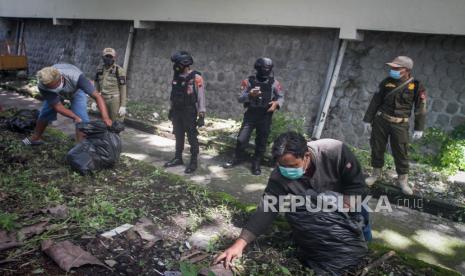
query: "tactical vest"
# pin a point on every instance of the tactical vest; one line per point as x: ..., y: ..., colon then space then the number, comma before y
x: 179, y: 96
x: 266, y: 88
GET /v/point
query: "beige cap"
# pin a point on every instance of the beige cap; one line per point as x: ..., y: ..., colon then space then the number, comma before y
x: 48, y: 75
x: 401, y: 61
x: 109, y: 51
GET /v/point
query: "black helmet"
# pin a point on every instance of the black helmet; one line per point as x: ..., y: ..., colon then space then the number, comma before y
x: 264, y: 66
x: 182, y: 58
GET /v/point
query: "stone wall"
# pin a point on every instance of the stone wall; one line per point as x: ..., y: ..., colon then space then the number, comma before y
x: 225, y: 55
x: 80, y: 44
x: 439, y: 63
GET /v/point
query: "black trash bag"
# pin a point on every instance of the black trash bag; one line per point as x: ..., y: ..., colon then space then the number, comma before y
x: 23, y: 121
x: 100, y: 149
x: 330, y: 243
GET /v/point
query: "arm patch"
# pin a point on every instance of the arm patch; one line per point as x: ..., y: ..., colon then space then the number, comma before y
x: 122, y: 80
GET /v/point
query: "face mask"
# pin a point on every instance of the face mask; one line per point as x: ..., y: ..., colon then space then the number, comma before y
x: 291, y: 173
x: 394, y: 74
x: 263, y: 73
x: 108, y: 61
x: 58, y: 88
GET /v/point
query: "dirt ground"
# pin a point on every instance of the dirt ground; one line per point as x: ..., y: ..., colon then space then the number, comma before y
x: 35, y: 179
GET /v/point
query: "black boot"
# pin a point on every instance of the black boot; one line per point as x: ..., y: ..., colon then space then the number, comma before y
x: 233, y: 162
x: 192, y: 165
x: 256, y: 170
x: 174, y: 162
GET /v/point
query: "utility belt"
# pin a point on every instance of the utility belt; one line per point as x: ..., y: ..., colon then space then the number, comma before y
x: 110, y: 96
x: 392, y: 119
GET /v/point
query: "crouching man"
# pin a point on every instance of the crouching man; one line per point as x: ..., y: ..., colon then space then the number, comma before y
x: 65, y: 82
x: 329, y: 242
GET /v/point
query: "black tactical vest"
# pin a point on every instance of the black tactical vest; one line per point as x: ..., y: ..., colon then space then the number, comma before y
x: 266, y: 88
x: 179, y: 96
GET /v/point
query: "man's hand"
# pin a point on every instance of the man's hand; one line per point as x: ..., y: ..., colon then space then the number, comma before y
x: 273, y: 106
x: 234, y: 251
x: 122, y: 111
x: 255, y: 92
x: 417, y: 135
x: 107, y: 122
x: 201, y: 119
x: 77, y: 120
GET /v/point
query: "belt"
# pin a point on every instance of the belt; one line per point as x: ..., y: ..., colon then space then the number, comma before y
x: 392, y: 119
x: 109, y: 97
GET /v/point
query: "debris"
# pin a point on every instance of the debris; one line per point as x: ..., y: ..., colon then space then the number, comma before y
x: 146, y: 229
x: 59, y: 211
x: 172, y: 273
x: 217, y: 270
x: 31, y: 230
x: 118, y: 230
x: 194, y: 256
x: 111, y: 263
x: 8, y: 240
x: 376, y: 263
x: 68, y: 255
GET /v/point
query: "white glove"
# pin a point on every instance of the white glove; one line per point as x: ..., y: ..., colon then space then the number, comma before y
x: 366, y: 127
x: 122, y: 111
x: 417, y: 135
x: 93, y: 107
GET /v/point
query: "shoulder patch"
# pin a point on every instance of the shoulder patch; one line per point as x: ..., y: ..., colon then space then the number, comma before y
x: 390, y: 84
x: 244, y: 84
x: 199, y: 81
x: 411, y: 86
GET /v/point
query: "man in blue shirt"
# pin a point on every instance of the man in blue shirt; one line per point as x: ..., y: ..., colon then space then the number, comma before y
x: 65, y: 82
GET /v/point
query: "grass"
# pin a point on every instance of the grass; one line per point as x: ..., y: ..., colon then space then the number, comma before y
x: 34, y: 178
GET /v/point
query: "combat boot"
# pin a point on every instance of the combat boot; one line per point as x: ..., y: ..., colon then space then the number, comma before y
x: 174, y: 162
x: 402, y: 180
x: 256, y: 170
x: 375, y: 175
x: 192, y: 165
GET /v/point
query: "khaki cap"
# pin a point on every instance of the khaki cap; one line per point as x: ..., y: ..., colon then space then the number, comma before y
x: 401, y: 61
x: 109, y: 51
x: 48, y: 75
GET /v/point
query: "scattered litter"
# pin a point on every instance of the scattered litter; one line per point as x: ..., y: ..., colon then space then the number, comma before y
x: 111, y: 263
x: 59, y: 211
x: 68, y: 255
x: 217, y: 270
x: 194, y: 256
x: 146, y: 229
x: 8, y: 240
x: 118, y: 230
x: 172, y: 273
x: 31, y: 230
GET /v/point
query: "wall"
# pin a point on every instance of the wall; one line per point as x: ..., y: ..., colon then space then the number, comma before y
x: 225, y: 55
x: 439, y: 63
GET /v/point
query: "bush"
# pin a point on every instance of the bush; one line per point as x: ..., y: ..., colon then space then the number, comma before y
x: 283, y: 123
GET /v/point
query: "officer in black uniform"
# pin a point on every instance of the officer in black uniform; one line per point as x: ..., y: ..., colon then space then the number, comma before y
x: 262, y: 95
x: 187, y: 108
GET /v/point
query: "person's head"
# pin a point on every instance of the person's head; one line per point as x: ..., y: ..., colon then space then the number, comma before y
x: 264, y: 67
x: 290, y: 152
x: 108, y: 56
x: 50, y: 77
x: 181, y: 61
x: 400, y: 68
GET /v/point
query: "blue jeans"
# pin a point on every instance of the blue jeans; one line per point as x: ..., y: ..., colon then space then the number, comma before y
x: 78, y: 106
x: 367, y: 228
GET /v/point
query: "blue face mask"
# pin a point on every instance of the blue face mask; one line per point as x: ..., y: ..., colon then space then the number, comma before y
x: 394, y: 74
x: 291, y: 173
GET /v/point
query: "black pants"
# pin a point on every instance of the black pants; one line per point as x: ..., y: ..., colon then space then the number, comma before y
x: 260, y: 120
x: 397, y: 134
x: 185, y: 122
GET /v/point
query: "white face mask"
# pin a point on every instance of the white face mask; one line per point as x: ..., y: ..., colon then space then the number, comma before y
x: 58, y: 88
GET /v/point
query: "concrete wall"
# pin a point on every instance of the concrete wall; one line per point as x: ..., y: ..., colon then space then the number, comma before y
x: 7, y: 29
x: 80, y: 44
x: 439, y: 65
x: 225, y: 55
x: 420, y: 16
